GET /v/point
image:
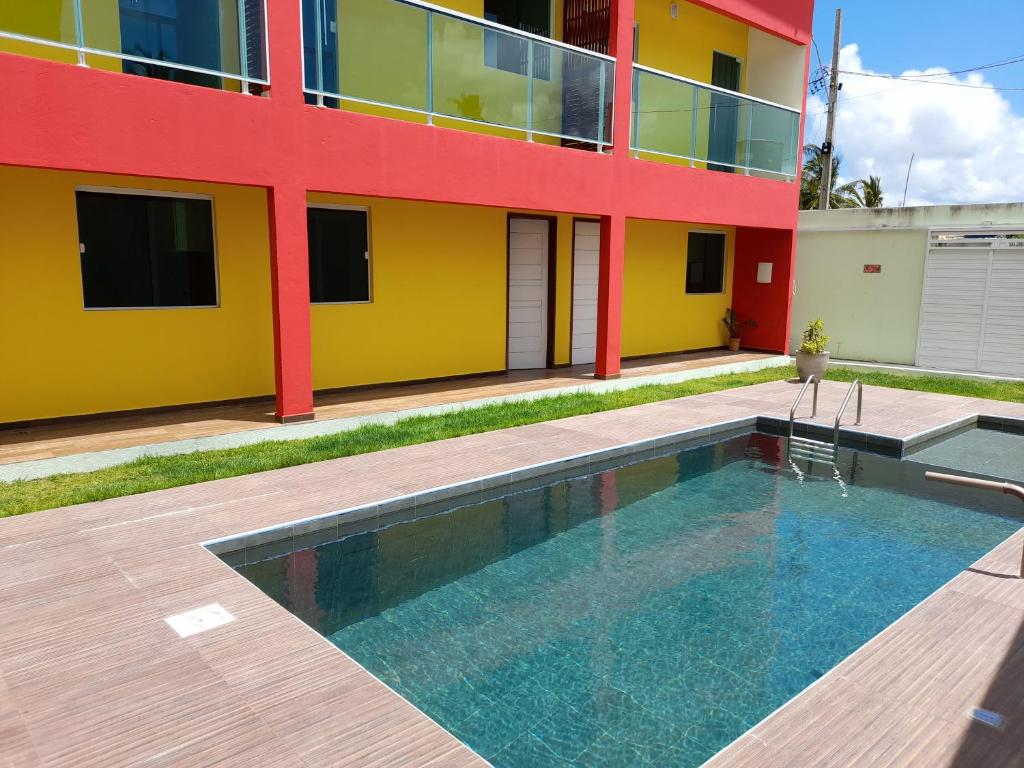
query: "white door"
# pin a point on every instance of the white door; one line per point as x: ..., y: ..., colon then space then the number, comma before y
x: 585, y: 260
x: 527, y: 293
x: 972, y: 315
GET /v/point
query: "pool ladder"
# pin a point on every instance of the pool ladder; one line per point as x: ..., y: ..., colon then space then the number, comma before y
x: 820, y: 450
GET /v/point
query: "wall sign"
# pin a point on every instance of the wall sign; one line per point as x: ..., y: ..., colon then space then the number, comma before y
x: 872, y: 269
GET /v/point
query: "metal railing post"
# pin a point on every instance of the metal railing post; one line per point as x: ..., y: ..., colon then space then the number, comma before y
x: 529, y: 90
x: 318, y: 21
x: 747, y: 137
x: 600, y: 107
x: 694, y: 103
x: 243, y: 49
x: 79, y: 32
x: 636, y: 113
x: 430, y: 68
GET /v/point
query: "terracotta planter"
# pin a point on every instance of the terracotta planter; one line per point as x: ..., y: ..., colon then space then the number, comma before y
x: 808, y: 365
x: 734, y: 344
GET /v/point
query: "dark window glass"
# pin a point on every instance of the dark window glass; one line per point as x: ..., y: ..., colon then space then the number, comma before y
x: 141, y: 251
x: 705, y: 262
x: 180, y: 31
x: 339, y: 257
x: 328, y: 80
x: 507, y: 52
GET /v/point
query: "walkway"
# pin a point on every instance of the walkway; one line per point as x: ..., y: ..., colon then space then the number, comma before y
x: 104, y: 441
x: 91, y: 675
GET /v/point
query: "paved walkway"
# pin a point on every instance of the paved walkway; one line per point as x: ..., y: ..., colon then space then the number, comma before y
x: 45, y: 450
x: 91, y: 675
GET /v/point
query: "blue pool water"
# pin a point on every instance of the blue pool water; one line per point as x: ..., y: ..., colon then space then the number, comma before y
x: 646, y: 615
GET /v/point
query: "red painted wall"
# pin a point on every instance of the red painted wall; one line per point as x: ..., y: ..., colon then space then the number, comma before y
x: 768, y: 304
x: 790, y: 19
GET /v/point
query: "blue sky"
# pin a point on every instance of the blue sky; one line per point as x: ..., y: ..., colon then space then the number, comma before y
x: 969, y: 142
x: 896, y: 35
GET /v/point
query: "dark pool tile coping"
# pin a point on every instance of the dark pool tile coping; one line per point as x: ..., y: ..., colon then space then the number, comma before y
x: 273, y: 541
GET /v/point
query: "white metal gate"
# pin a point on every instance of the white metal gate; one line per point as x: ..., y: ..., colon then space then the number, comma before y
x: 972, y: 306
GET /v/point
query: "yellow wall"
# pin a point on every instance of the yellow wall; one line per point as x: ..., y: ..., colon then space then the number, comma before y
x: 438, y: 297
x: 61, y: 359
x: 657, y: 314
x: 439, y: 292
x: 683, y: 46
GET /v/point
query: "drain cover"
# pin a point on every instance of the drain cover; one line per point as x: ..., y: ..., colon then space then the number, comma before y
x: 199, y: 620
x: 987, y: 717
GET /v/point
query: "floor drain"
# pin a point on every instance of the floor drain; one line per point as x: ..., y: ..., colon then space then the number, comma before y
x: 199, y: 620
x: 987, y: 717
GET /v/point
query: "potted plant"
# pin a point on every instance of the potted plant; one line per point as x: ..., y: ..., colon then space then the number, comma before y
x: 732, y: 322
x: 812, y: 357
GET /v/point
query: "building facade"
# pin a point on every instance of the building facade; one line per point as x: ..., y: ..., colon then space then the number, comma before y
x: 225, y: 199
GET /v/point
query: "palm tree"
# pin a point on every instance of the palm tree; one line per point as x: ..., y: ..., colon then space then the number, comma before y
x: 871, y: 192
x: 843, y: 196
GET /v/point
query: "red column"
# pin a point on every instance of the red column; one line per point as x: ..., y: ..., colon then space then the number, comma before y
x: 613, y: 227
x: 289, y: 277
x: 620, y: 45
x: 609, y: 297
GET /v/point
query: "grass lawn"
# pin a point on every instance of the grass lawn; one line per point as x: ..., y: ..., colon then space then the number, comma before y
x: 154, y: 473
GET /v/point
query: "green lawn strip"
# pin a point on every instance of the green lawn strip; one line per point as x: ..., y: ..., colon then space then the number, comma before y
x: 157, y: 472
x: 1012, y: 391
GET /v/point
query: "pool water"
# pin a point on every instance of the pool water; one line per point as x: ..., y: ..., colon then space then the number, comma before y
x: 646, y: 615
x: 992, y: 452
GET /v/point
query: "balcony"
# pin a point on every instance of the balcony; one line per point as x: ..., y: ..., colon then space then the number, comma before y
x: 217, y: 44
x: 411, y: 59
x: 678, y: 118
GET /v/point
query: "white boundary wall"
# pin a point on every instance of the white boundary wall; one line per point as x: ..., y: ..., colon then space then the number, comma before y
x: 875, y: 317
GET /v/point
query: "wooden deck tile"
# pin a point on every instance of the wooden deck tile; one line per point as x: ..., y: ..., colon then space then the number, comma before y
x: 91, y: 675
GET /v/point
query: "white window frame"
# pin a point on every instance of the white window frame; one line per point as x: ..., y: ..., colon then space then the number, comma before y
x: 725, y: 261
x: 369, y: 251
x: 152, y: 193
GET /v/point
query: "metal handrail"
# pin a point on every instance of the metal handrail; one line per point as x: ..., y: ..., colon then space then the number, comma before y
x: 812, y: 379
x: 83, y: 50
x: 986, y: 485
x: 719, y: 89
x: 842, y: 409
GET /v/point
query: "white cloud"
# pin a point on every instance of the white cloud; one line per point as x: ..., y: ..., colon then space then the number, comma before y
x: 969, y: 142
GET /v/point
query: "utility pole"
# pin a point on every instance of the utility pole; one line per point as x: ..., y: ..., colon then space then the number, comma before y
x: 827, y: 147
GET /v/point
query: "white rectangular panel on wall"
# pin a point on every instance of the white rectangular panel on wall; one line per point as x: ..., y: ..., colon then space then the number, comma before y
x: 586, y: 254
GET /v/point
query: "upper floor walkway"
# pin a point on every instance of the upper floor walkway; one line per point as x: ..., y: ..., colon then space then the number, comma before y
x: 711, y: 86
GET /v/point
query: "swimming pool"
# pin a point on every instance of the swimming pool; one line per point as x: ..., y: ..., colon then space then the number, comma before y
x: 644, y: 615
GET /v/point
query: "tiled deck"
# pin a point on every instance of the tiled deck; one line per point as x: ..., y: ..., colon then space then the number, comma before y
x: 66, y: 438
x: 90, y: 675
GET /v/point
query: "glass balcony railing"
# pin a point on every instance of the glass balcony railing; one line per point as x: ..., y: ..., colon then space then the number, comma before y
x: 680, y: 118
x: 426, y: 60
x: 214, y: 43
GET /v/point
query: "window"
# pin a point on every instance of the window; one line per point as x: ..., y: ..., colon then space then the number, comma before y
x: 705, y: 262
x: 339, y: 255
x: 161, y: 30
x: 508, y: 52
x: 146, y: 251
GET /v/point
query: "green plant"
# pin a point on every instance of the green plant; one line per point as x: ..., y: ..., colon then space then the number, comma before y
x: 815, y: 340
x: 734, y: 324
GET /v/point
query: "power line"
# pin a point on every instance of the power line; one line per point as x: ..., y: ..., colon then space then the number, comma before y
x: 1016, y: 59
x: 911, y: 79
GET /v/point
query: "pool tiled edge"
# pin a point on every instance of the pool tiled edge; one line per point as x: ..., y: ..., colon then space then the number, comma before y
x: 263, y: 543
